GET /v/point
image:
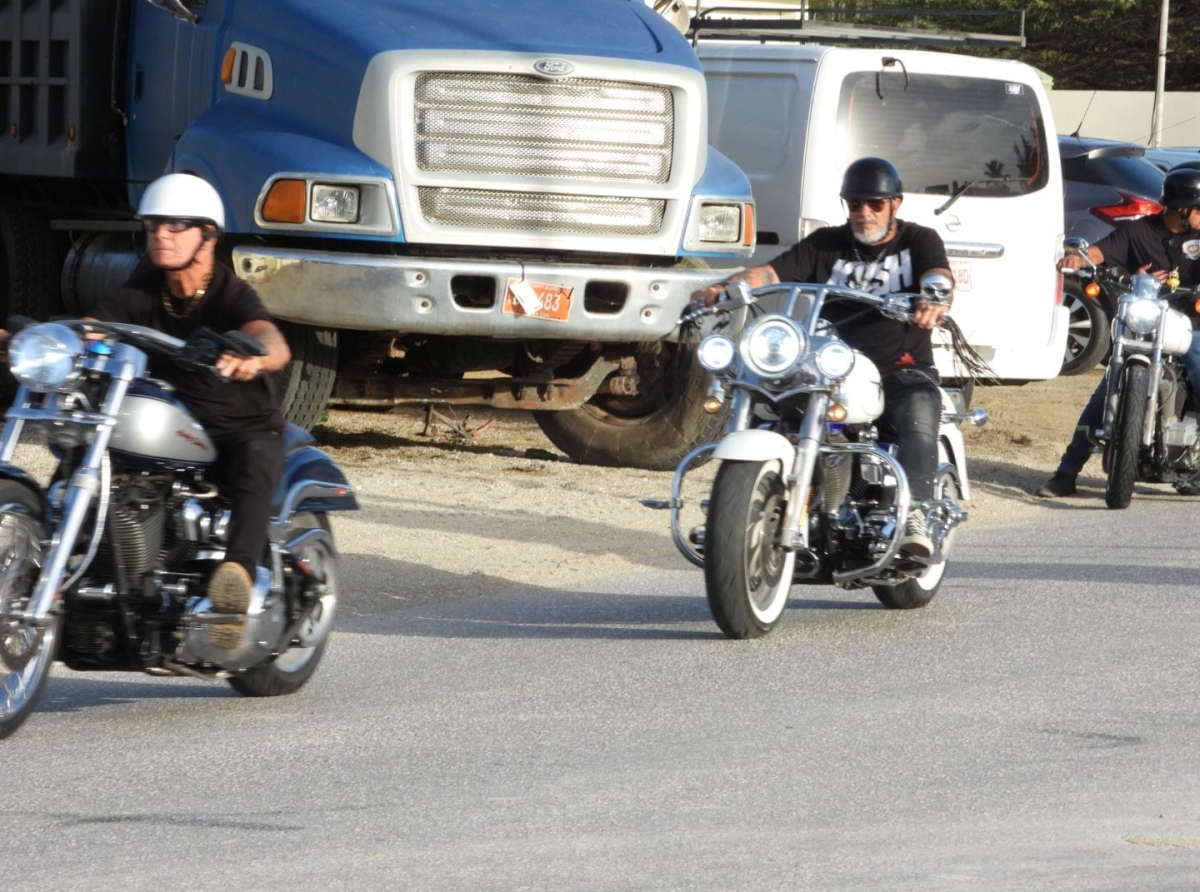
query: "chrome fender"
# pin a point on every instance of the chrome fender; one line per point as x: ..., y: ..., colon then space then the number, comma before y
x: 950, y: 441
x: 756, y: 445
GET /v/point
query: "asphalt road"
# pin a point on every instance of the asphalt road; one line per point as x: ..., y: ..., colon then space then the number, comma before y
x: 1035, y: 728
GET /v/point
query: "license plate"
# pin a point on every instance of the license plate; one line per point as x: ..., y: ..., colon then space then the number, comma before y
x: 537, y: 300
x: 962, y: 275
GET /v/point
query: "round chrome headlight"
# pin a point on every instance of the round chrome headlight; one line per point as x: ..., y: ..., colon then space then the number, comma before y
x: 1142, y: 315
x: 716, y: 352
x: 835, y: 360
x: 773, y: 346
x: 43, y: 356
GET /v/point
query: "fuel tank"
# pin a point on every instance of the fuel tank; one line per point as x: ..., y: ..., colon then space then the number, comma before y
x: 154, y: 430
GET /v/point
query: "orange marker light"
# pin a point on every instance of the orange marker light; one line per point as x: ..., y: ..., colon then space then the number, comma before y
x: 227, y: 66
x: 286, y: 202
x: 1091, y: 289
x: 837, y: 413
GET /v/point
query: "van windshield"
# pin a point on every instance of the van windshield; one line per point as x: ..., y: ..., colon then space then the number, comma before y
x: 945, y: 134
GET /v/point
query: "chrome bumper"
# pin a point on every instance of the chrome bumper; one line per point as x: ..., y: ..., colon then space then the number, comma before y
x: 418, y: 295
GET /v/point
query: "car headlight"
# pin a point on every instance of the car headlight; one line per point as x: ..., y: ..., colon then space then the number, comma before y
x: 835, y: 360
x: 773, y: 346
x: 43, y: 357
x: 716, y: 352
x: 1142, y: 315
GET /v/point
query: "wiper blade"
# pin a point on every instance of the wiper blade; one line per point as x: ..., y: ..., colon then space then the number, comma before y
x: 961, y: 190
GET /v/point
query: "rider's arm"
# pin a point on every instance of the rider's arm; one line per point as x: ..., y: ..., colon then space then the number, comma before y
x: 753, y: 276
x: 929, y: 315
x: 244, y: 368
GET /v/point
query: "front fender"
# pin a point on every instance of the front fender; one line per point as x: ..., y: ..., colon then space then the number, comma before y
x: 756, y: 445
x: 17, y: 475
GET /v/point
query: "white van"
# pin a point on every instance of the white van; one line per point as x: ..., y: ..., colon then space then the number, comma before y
x: 793, y: 116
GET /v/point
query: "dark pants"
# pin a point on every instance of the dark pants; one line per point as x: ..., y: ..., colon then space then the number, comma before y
x: 1079, y: 450
x: 911, y: 416
x: 249, y: 464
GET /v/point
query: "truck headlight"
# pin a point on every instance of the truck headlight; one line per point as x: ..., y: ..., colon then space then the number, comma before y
x: 334, y: 204
x: 42, y: 357
x: 720, y: 223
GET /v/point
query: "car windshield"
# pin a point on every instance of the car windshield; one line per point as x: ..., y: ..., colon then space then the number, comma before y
x: 1131, y: 173
x: 945, y: 132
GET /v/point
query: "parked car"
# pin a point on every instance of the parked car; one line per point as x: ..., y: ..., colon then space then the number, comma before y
x: 1165, y: 159
x: 1104, y: 182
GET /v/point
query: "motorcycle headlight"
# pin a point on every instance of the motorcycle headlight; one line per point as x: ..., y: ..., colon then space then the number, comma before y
x: 43, y: 357
x: 835, y: 360
x: 773, y: 346
x: 1142, y: 314
x: 716, y: 352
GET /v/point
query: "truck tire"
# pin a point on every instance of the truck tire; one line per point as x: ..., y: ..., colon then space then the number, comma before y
x: 652, y: 430
x: 306, y: 382
x: 30, y: 274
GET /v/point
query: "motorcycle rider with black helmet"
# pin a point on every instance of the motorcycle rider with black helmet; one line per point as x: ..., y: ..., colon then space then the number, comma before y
x: 875, y: 251
x: 1157, y: 244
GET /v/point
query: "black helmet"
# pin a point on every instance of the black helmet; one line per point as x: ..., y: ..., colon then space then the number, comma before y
x: 1181, y: 187
x: 871, y: 178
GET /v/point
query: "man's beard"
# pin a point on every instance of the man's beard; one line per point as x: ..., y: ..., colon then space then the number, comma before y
x: 875, y: 238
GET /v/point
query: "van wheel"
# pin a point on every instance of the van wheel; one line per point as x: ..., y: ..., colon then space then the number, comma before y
x: 1087, y: 333
x: 306, y: 382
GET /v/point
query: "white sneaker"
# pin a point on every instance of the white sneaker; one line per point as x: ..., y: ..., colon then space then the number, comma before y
x: 916, y: 541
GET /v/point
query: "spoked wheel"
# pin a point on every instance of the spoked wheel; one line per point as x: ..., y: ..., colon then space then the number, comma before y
x: 26, y: 652
x: 746, y: 573
x: 289, y: 671
x: 1126, y: 443
x: 1087, y: 333
x: 918, y: 591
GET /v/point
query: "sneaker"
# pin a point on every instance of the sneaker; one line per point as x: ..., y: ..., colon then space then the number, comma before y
x: 1058, y: 486
x: 916, y: 541
x: 229, y: 591
x: 1188, y: 487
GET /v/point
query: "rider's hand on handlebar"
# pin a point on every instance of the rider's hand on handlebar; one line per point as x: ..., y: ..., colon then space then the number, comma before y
x: 928, y: 315
x: 708, y: 295
x: 238, y: 368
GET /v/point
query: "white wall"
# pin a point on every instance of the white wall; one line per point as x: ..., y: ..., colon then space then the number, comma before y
x: 1125, y: 115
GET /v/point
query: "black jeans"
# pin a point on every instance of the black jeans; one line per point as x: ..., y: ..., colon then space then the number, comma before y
x: 249, y: 465
x: 912, y: 413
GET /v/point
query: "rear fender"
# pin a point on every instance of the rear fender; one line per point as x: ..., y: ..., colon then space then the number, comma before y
x: 311, y: 481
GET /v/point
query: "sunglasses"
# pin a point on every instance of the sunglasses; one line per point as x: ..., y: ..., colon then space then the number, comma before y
x: 875, y: 204
x: 171, y: 225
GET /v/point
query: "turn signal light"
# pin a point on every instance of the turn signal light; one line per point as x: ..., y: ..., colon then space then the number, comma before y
x: 712, y: 404
x: 227, y: 66
x: 837, y: 413
x: 1196, y: 305
x: 1091, y: 289
x: 286, y: 202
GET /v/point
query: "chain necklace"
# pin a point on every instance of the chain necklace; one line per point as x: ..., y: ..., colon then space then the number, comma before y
x: 169, y: 306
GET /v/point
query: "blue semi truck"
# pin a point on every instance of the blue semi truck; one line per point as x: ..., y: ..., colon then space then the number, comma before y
x: 475, y: 202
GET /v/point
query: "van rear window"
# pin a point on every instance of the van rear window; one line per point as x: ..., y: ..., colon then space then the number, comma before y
x: 943, y: 132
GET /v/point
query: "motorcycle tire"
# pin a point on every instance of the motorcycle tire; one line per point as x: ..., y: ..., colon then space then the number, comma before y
x: 1126, y: 443
x: 918, y: 591
x: 289, y: 671
x: 26, y: 653
x: 747, y: 575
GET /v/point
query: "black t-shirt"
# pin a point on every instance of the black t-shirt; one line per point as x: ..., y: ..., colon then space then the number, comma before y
x: 832, y: 255
x: 1134, y: 243
x: 221, y: 406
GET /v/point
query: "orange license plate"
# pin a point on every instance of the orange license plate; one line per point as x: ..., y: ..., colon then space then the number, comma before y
x: 537, y: 300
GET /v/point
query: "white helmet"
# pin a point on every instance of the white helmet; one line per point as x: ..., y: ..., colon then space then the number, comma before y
x: 185, y: 196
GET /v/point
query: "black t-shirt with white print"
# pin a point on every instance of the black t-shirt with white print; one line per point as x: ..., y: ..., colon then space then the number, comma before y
x: 832, y: 255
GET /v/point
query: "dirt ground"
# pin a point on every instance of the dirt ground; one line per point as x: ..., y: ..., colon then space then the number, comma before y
x: 480, y: 499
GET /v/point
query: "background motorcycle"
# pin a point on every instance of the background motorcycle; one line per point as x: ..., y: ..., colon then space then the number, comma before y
x: 106, y: 566
x: 1150, y: 431
x: 805, y: 492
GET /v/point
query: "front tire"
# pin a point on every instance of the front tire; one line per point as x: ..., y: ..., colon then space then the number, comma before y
x: 1126, y: 444
x: 289, y: 671
x: 26, y: 653
x: 918, y: 591
x: 746, y: 574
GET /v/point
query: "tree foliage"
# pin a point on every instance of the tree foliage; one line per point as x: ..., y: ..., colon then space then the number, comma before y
x: 1082, y: 44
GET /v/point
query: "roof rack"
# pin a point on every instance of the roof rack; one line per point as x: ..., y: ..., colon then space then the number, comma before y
x: 752, y: 23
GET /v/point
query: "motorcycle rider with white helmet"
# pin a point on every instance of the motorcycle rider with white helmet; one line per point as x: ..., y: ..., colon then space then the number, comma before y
x: 876, y: 251
x: 186, y: 288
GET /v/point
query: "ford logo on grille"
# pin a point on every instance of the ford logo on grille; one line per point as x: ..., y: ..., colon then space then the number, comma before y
x: 553, y: 67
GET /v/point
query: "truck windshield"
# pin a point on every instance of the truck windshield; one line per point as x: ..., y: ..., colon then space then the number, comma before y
x: 944, y: 132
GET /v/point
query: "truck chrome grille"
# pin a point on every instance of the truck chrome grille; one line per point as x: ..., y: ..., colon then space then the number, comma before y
x: 523, y: 126
x: 532, y: 211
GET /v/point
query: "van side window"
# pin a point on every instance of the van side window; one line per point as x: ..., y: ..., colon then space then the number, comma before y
x: 944, y: 132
